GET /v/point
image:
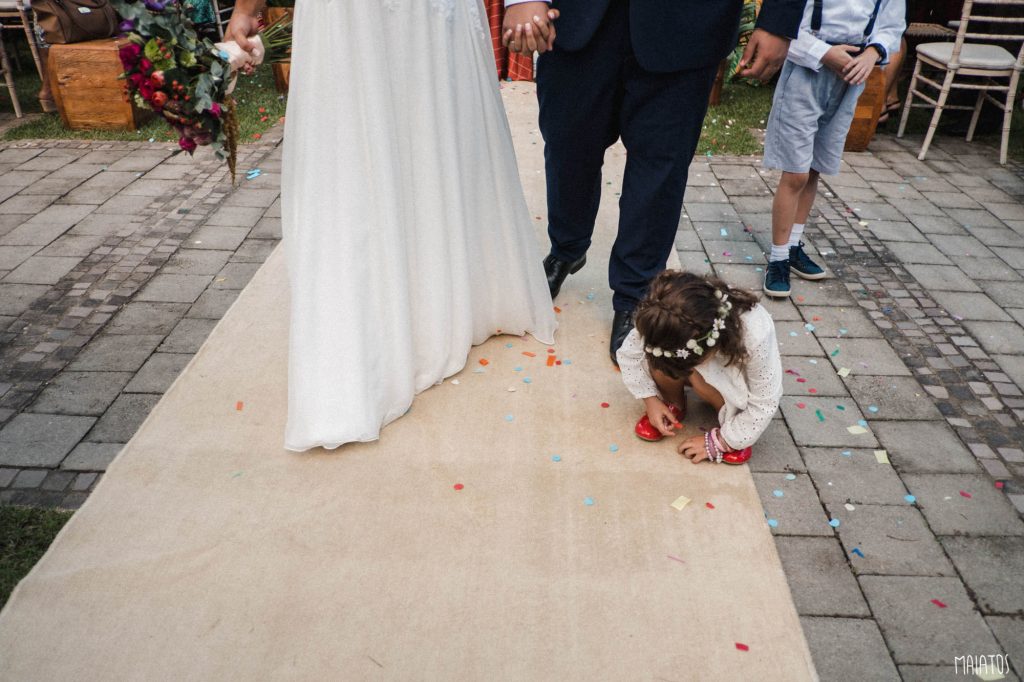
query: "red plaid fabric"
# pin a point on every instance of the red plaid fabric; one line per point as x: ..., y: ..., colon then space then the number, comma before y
x: 514, y: 66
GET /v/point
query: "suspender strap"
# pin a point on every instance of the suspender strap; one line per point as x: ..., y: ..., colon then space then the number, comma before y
x: 874, y: 15
x: 816, y: 16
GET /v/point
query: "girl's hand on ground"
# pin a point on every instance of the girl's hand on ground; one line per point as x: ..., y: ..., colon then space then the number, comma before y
x: 859, y: 68
x: 661, y: 417
x: 693, y: 449
x: 839, y: 57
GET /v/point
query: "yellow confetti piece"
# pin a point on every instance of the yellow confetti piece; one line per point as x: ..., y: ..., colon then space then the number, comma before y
x: 844, y: 371
x: 681, y: 502
x: 991, y: 676
x: 881, y: 456
x: 856, y: 429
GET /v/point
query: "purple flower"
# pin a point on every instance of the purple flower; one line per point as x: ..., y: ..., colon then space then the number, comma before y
x: 155, y: 5
x: 127, y: 26
x: 130, y: 54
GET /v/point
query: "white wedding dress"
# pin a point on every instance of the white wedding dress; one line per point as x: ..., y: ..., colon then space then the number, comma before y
x: 407, y: 236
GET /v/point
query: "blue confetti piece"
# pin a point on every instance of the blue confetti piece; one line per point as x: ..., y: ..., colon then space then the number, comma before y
x: 772, y: 523
x: 778, y: 493
x: 518, y: 369
x: 566, y: 362
x: 834, y: 523
x: 589, y: 501
x: 724, y: 232
x: 527, y: 380
x: 556, y: 458
x: 847, y: 453
x: 872, y: 408
x: 750, y: 258
x: 862, y: 422
x: 910, y: 498
x: 793, y: 334
x: 509, y: 417
x: 590, y: 296
x: 790, y: 477
x: 758, y: 269
x: 613, y: 448
x: 856, y: 550
x: 809, y: 327
x: 843, y: 331
x: 253, y: 174
x: 508, y: 345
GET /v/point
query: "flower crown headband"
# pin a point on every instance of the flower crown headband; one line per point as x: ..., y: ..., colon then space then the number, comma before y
x: 709, y: 339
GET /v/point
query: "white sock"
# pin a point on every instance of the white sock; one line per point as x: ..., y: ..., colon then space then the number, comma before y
x: 796, y: 234
x: 779, y: 253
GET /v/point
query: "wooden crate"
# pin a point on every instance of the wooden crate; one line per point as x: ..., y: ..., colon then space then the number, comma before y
x: 869, y: 108
x: 282, y: 70
x: 85, y: 78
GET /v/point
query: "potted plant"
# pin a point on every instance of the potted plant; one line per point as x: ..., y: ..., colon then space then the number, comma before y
x: 282, y: 70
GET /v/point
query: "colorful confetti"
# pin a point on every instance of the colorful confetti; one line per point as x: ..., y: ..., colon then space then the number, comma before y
x: 556, y: 458
x: 709, y: 505
x: 742, y: 647
x: 939, y: 603
x: 458, y: 486
x: 856, y: 550
x: 613, y: 448
x: 834, y: 523
x: 820, y: 415
x: 239, y: 406
x: 856, y: 429
x: 778, y: 493
x: 773, y: 523
x: 910, y: 498
x: 964, y: 493
x: 589, y: 501
x: 680, y: 502
x: 881, y: 456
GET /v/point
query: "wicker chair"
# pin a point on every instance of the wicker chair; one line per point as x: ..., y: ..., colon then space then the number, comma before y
x: 984, y: 66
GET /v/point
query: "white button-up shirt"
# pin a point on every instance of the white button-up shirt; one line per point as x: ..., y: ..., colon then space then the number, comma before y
x: 844, y: 21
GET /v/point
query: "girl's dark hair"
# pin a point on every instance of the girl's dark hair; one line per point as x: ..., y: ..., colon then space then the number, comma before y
x: 680, y: 306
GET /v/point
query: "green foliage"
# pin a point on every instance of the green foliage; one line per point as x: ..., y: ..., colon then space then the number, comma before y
x: 25, y: 533
x: 748, y: 22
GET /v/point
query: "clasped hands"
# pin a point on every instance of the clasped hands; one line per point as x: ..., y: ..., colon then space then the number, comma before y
x: 529, y: 27
x: 851, y: 62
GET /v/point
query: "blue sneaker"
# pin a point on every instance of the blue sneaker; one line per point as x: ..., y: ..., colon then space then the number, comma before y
x: 802, y: 265
x: 776, y: 279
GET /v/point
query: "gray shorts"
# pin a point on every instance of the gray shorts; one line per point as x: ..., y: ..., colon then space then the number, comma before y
x: 809, y: 121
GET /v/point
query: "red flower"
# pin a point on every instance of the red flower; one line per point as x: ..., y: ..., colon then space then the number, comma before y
x: 158, y: 79
x: 215, y: 110
x: 145, y: 66
x: 187, y: 144
x: 158, y: 100
x: 146, y: 89
x: 135, y: 80
x: 129, y: 55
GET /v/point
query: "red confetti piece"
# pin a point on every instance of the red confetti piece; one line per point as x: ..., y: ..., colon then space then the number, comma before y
x: 709, y: 505
x: 262, y: 110
x: 816, y: 319
x: 551, y: 350
x: 239, y: 405
x: 256, y: 136
x: 812, y: 390
x: 557, y: 309
x: 551, y: 361
x: 801, y: 405
x: 263, y: 119
x: 458, y: 486
x: 742, y: 647
x: 484, y: 361
x: 801, y: 380
x: 938, y: 603
x: 529, y: 354
x: 800, y: 298
x: 964, y: 493
x: 999, y: 485
x: 605, y: 405
x: 558, y: 362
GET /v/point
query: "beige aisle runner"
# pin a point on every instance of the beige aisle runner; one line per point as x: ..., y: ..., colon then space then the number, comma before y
x: 510, y: 527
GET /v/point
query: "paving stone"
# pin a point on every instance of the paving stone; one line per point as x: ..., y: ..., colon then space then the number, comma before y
x: 159, y: 372
x: 91, y: 456
x: 122, y: 419
x: 781, y: 310
x: 174, y: 288
x: 13, y: 256
x: 867, y: 357
x: 217, y: 237
x: 818, y: 577
x: 833, y: 323
x: 100, y: 187
x: 1013, y: 257
x: 991, y: 567
x: 236, y: 216
x: 794, y: 339
x: 939, y: 673
x: 942, y: 278
x: 147, y: 318
x: 808, y: 429
x: 924, y: 447
x: 188, y: 336
x: 974, y: 217
x: 16, y: 298
x: 986, y: 512
x: 102, y: 225
x: 116, y: 353
x: 42, y: 270
x: 908, y: 252
x: 918, y: 631
x: 30, y: 478
x: 213, y: 304
x: 235, y: 275
x: 775, y: 450
x: 27, y: 203
x: 41, y: 440
x: 268, y: 227
x: 711, y: 212
x: 72, y: 245
x: 896, y: 231
x: 261, y: 198
x: 85, y: 393
x: 139, y: 161
x: 737, y: 275
x: 57, y: 480
x: 969, y: 306
x: 1010, y: 634
x: 856, y: 477
x: 997, y: 236
x: 1005, y: 294
x: 196, y: 262
x: 880, y: 211
x: 929, y: 224
x: 848, y: 648
x: 895, y: 398
x: 84, y: 482
x: 6, y: 476
x: 894, y: 540
x: 799, y: 512
x: 981, y: 269
x: 802, y: 377
x: 997, y: 337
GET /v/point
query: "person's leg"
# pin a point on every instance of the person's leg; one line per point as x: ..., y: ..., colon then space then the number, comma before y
x: 672, y: 390
x: 786, y: 207
x: 662, y: 115
x: 579, y: 95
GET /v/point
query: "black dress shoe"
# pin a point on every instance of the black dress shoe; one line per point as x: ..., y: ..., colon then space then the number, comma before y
x: 622, y: 325
x: 558, y: 270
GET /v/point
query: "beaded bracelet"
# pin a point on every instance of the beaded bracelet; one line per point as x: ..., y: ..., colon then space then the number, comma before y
x: 711, y: 448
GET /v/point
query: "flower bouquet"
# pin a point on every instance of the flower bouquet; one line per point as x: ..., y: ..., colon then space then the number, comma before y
x: 186, y: 79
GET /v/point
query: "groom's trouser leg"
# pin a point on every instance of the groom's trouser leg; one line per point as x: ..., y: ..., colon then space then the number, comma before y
x: 661, y: 119
x: 580, y: 95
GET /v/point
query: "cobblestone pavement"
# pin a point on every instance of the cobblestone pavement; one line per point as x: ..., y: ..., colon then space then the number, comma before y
x: 903, y: 543
x: 117, y: 259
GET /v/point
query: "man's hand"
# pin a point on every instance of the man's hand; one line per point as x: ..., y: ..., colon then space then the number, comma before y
x: 859, y: 68
x: 529, y: 27
x: 661, y: 417
x: 693, y: 449
x: 763, y: 55
x: 839, y: 57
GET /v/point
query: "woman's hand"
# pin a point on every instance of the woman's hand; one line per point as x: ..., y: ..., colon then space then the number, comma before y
x: 244, y: 24
x: 693, y: 449
x: 661, y: 417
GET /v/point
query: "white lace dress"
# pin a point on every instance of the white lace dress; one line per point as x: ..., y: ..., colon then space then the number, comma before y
x: 408, y: 238
x: 751, y: 394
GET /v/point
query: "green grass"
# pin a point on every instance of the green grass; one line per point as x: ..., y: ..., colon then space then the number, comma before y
x: 727, y: 126
x: 25, y: 533
x: 253, y: 92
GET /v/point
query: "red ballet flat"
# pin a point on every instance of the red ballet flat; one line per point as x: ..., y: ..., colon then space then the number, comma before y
x: 737, y: 456
x: 645, y: 430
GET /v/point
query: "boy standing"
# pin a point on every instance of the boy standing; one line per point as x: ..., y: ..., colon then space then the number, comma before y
x: 839, y: 43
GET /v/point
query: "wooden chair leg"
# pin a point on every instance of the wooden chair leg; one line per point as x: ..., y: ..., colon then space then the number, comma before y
x: 1011, y: 95
x: 943, y: 95
x: 910, y: 99
x: 5, y: 64
x: 976, y: 115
